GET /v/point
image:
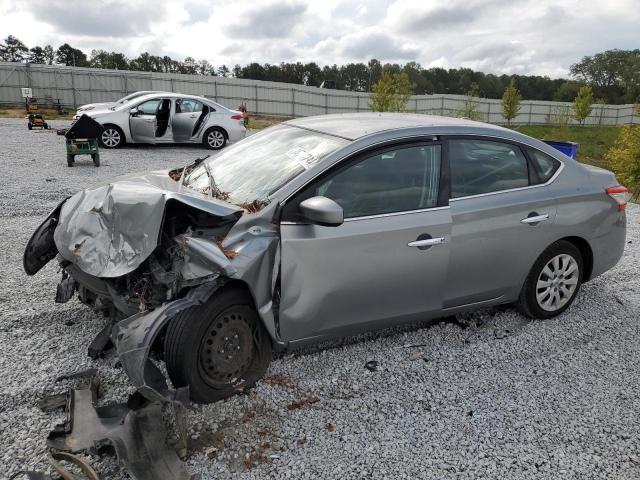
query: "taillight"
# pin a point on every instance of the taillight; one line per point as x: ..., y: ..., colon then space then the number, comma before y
x: 620, y: 194
x: 236, y: 117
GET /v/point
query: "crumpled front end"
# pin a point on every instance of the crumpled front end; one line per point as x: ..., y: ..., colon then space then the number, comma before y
x: 140, y: 250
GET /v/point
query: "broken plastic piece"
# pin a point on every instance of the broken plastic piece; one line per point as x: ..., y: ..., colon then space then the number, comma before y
x: 138, y: 437
x: 101, y: 343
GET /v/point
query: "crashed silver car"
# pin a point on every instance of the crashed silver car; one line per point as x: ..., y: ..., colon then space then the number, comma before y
x: 324, y: 227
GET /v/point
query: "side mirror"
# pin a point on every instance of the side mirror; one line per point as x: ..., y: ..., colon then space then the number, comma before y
x: 322, y: 211
x: 133, y: 112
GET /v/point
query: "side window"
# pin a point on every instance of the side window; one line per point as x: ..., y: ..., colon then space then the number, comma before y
x: 185, y: 105
x: 149, y: 107
x: 483, y: 166
x: 545, y: 165
x: 397, y: 180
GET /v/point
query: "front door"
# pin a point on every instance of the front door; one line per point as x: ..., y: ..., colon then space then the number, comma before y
x: 501, y: 221
x: 143, y: 122
x: 385, y: 264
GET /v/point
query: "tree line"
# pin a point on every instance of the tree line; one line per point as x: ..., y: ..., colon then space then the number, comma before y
x: 614, y: 75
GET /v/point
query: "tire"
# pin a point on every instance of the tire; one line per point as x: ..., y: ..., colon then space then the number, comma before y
x: 29, y: 126
x: 214, y: 139
x: 553, y: 282
x: 96, y: 159
x: 195, y: 343
x: 112, y: 137
x: 46, y: 126
x: 70, y: 160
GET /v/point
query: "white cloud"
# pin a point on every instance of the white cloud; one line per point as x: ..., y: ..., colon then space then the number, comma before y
x: 499, y: 36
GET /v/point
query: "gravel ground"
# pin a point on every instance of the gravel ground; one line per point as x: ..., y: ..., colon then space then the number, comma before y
x: 493, y: 396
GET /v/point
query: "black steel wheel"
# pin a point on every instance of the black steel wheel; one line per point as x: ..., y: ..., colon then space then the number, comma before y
x: 219, y: 348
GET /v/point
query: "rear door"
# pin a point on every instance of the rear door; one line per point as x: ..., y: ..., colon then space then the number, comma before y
x: 502, y: 219
x: 385, y: 264
x: 143, y: 124
x: 187, y: 113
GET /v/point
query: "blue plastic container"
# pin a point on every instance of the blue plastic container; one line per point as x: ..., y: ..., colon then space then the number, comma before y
x: 568, y: 148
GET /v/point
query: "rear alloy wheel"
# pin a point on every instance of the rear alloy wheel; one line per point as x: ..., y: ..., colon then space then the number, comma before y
x: 219, y: 348
x: 553, y: 282
x: 111, y: 137
x: 215, y: 139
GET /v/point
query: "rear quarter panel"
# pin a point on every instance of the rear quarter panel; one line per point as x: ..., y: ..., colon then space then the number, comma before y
x: 585, y: 210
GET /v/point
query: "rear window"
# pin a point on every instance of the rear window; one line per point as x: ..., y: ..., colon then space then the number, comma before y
x: 484, y: 166
x: 545, y: 165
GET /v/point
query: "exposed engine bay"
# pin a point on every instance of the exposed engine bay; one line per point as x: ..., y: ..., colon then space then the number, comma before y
x: 143, y: 248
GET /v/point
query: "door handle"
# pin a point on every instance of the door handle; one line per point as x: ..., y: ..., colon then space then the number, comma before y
x: 192, y: 116
x: 427, y: 242
x: 150, y: 121
x: 535, y: 218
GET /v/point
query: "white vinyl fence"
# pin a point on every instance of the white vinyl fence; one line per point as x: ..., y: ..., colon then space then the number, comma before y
x: 72, y: 87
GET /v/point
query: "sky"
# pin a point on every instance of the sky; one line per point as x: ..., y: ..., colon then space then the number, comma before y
x: 541, y: 37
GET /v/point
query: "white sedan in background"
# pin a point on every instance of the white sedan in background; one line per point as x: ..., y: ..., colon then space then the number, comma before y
x: 169, y: 118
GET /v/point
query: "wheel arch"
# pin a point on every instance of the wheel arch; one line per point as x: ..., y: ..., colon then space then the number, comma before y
x: 587, y: 254
x: 216, y: 127
x: 126, y: 134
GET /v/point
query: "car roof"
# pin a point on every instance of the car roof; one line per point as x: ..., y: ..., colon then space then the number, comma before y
x: 356, y: 125
x: 150, y: 96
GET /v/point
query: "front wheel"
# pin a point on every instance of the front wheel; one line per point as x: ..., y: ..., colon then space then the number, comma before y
x: 214, y: 139
x: 218, y: 348
x: 553, y: 282
x: 112, y: 137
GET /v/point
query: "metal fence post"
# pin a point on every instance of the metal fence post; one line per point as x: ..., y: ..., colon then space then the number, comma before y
x: 73, y: 90
x: 633, y: 111
x: 617, y: 115
x: 530, y: 109
x: 293, y: 102
x: 124, y: 85
x: 215, y: 90
x: 326, y: 102
x: 415, y: 99
x: 256, y: 90
x: 441, y: 105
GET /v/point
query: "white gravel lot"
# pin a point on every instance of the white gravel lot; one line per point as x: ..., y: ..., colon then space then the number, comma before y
x: 503, y: 398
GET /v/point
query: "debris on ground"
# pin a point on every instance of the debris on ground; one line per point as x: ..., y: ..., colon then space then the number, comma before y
x: 134, y: 431
x: 371, y: 365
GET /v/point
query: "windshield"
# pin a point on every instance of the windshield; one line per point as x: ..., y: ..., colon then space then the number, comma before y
x: 259, y: 165
x: 130, y: 97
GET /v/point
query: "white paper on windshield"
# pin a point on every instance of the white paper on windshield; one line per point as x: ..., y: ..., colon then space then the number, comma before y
x: 304, y: 158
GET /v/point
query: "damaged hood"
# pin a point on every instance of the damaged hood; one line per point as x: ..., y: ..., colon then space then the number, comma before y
x: 109, y: 230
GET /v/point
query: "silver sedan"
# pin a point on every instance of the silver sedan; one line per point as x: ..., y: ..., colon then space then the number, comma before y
x: 163, y: 117
x: 324, y: 227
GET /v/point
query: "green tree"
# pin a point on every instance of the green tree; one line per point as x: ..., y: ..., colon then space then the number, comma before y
x: 624, y: 158
x: 223, y: 71
x: 72, y: 57
x: 49, y: 55
x: 470, y: 106
x: 614, y: 74
x: 13, y: 50
x: 582, y: 104
x: 391, y: 93
x: 511, y: 99
x: 36, y: 55
x: 567, y: 91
